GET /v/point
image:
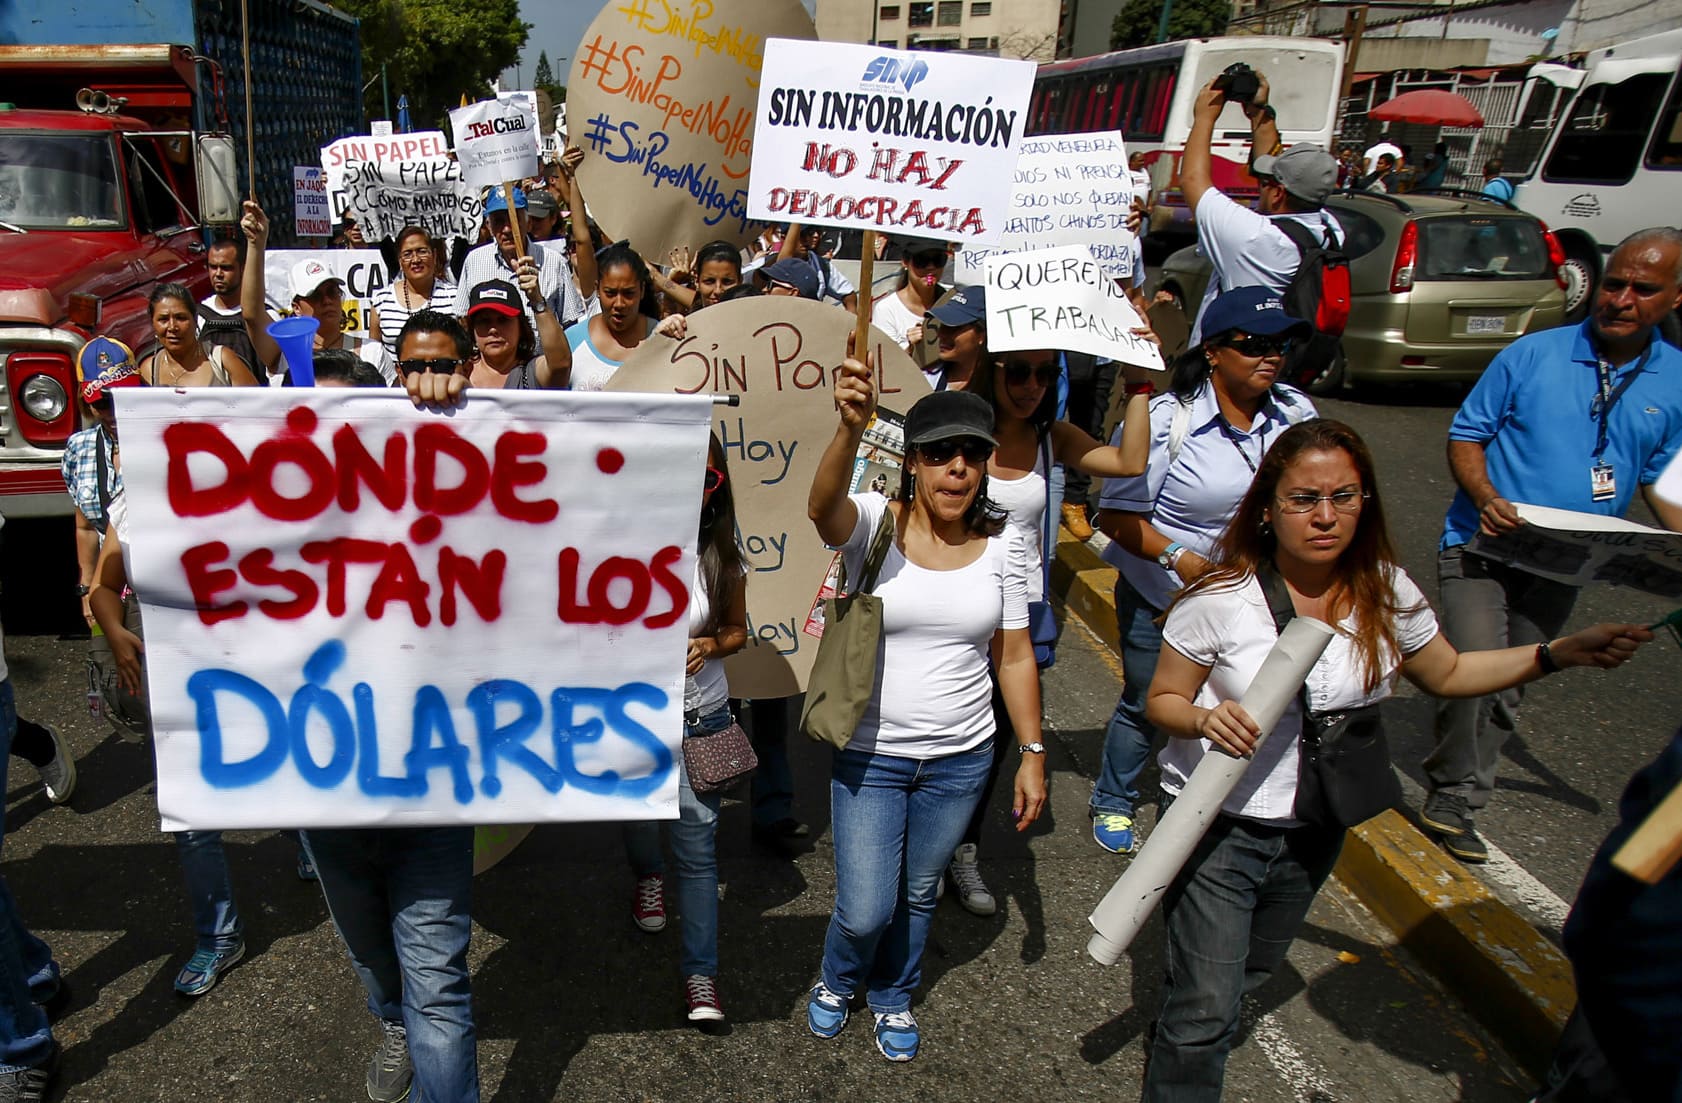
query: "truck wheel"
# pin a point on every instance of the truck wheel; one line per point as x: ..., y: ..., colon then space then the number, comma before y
x: 1581, y: 269
x: 1329, y: 382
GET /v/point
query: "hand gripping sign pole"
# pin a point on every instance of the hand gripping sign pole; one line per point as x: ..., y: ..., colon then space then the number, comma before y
x: 1118, y: 917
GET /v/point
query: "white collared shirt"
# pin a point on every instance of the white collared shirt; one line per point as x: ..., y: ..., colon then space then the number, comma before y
x: 1191, y: 500
x: 554, y: 276
x: 1230, y: 631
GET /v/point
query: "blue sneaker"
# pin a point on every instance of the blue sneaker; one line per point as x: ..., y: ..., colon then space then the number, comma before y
x: 205, y: 967
x: 897, y: 1035
x: 826, y: 1013
x: 1114, y: 832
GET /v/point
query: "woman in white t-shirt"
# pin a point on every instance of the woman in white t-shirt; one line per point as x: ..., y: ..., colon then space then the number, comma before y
x: 900, y: 312
x: 629, y: 311
x: 1021, y: 388
x: 954, y: 588
x: 718, y: 617
x: 1310, y: 532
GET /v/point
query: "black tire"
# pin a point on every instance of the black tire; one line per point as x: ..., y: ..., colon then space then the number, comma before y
x: 1581, y: 270
x: 1329, y: 383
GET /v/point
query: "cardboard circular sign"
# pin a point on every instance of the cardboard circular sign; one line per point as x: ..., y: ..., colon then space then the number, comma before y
x: 778, y: 355
x: 662, y: 99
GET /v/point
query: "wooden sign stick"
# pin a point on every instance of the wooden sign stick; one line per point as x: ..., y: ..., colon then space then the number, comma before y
x: 250, y: 131
x: 514, y: 220
x: 867, y: 277
x: 1656, y: 847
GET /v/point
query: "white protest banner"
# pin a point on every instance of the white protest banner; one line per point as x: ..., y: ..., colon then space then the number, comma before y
x: 888, y: 140
x: 777, y: 354
x: 496, y: 141
x: 359, y: 613
x: 1580, y: 548
x: 1071, y: 189
x: 419, y: 146
x: 662, y: 104
x: 1062, y: 299
x: 387, y: 196
x: 380, y: 128
x: 311, y: 215
x: 362, y: 270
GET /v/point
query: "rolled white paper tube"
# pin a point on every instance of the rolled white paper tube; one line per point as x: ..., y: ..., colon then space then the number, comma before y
x: 1122, y: 912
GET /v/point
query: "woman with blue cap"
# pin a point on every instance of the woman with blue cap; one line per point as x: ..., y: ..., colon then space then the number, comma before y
x: 1225, y: 408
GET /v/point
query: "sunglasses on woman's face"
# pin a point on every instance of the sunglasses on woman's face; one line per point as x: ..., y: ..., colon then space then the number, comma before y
x: 1259, y: 348
x: 928, y: 260
x: 1017, y: 372
x: 940, y: 452
x: 714, y: 480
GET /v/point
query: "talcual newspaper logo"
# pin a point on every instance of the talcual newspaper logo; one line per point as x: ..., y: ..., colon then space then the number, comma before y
x: 894, y: 70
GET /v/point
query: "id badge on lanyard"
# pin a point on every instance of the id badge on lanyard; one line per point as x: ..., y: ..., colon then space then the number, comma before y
x: 1603, y: 482
x: 1603, y: 485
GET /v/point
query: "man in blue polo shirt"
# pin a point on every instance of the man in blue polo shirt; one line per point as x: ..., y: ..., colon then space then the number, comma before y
x: 1573, y: 418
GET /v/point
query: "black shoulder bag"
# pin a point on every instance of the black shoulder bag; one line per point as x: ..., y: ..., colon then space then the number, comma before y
x: 1344, y: 776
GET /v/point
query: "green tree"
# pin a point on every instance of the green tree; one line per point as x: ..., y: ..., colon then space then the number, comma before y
x: 436, y: 51
x: 545, y: 77
x: 1136, y: 23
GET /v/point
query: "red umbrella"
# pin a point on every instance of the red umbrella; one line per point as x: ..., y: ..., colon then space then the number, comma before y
x: 1429, y: 105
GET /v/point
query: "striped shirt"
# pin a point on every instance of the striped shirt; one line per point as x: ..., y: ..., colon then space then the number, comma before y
x: 393, y: 313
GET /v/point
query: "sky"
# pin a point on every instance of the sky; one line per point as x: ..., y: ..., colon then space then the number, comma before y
x: 557, y: 26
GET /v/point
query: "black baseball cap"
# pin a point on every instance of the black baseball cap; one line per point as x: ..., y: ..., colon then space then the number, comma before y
x: 946, y: 414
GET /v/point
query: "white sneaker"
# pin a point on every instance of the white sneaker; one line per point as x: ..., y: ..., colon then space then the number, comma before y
x: 966, y: 881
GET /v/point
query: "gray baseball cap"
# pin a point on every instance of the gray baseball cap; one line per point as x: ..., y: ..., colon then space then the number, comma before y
x: 1305, y: 170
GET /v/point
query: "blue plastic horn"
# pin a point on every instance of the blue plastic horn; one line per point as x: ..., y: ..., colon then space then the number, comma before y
x: 296, y: 338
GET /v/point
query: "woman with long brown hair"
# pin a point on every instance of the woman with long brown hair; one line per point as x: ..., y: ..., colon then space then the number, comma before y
x: 1309, y: 539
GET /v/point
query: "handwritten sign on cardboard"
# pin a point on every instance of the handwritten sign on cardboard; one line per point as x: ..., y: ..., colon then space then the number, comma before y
x: 388, y: 196
x: 337, y: 156
x: 1062, y: 299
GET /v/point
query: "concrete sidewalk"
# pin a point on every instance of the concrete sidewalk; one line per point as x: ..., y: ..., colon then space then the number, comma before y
x: 1516, y: 981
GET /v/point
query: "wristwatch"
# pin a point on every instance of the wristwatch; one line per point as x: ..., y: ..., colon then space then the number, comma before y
x: 83, y: 591
x: 1036, y: 747
x: 539, y: 307
x: 1169, y: 554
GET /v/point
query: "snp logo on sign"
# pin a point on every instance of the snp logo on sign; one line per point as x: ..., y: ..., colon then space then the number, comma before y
x: 893, y: 70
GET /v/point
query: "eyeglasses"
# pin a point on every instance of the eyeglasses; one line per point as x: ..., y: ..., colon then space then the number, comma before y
x: 440, y: 366
x: 1344, y: 501
x: 414, y: 254
x: 928, y: 260
x: 714, y: 480
x: 1017, y: 373
x: 1259, y: 348
x: 939, y: 452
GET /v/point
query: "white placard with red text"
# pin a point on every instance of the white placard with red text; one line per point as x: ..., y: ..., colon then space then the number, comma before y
x: 496, y: 141
x: 358, y: 613
x: 898, y: 141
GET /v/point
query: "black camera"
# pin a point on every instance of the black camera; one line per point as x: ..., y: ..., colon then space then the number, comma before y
x: 1238, y: 83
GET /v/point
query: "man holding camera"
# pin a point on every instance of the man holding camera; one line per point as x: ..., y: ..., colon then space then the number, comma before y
x: 1244, y: 247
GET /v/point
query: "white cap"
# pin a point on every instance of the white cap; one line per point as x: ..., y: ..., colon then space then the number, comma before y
x: 308, y: 276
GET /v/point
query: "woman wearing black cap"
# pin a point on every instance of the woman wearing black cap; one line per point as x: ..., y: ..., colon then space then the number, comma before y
x: 900, y: 313
x: 507, y: 349
x: 954, y: 589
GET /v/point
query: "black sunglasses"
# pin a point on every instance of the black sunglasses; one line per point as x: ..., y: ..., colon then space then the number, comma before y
x: 937, y: 452
x: 930, y: 259
x: 1018, y: 371
x: 440, y: 366
x: 1259, y: 347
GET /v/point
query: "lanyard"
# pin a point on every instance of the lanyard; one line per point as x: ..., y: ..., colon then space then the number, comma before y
x: 1233, y: 435
x: 1606, y: 397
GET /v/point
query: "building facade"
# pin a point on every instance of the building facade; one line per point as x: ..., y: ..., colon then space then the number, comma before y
x: 1027, y: 29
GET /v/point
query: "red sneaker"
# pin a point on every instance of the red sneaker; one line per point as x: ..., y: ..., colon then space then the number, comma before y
x: 648, y: 906
x: 702, y: 994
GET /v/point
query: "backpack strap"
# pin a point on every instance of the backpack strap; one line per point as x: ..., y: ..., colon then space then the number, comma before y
x: 1302, y: 237
x: 1278, y: 596
x: 1178, y: 428
x: 1048, y: 530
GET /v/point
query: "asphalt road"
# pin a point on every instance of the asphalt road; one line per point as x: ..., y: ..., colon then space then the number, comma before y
x: 572, y: 1002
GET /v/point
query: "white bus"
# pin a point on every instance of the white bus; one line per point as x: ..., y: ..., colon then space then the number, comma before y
x: 1614, y: 164
x: 1147, y: 94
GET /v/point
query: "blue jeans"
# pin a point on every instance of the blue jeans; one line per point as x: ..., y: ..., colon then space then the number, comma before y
x: 28, y: 973
x: 210, y: 889
x: 400, y: 898
x: 694, y: 853
x: 895, y: 823
x: 1128, y: 739
x: 1231, y: 916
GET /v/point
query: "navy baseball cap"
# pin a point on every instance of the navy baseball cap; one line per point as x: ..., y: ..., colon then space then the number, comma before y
x: 1254, y: 310
x: 966, y: 306
x: 796, y: 273
x: 497, y: 201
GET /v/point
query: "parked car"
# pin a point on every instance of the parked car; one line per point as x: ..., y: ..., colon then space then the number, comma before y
x: 1440, y: 283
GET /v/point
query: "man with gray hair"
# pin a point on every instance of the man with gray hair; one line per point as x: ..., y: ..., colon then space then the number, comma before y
x: 1573, y: 418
